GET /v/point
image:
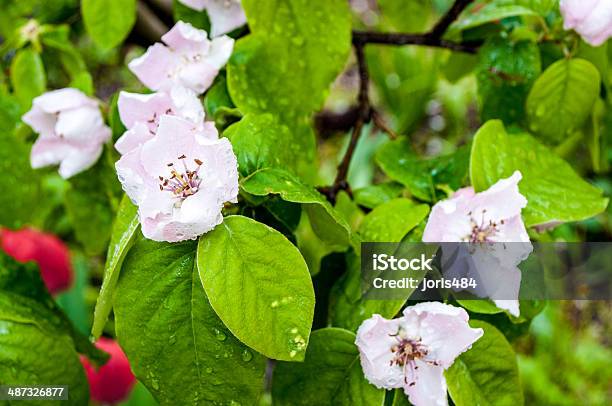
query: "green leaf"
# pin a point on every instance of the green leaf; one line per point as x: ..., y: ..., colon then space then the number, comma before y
x: 423, y: 177
x: 285, y: 66
x: 260, y: 141
x: 296, y: 49
x: 198, y: 19
x: 84, y: 82
x: 553, y: 190
x: 26, y: 334
x: 108, y: 22
x: 494, y: 11
x: 326, y: 222
x: 392, y: 220
x: 25, y: 283
x: 487, y: 374
x: 330, y: 374
x: 88, y: 205
x: 374, y: 195
x: 399, y: 162
x: 122, y: 238
x: 24, y: 198
x: 259, y: 285
x: 506, y: 72
x: 176, y: 344
x: 27, y: 76
x: 562, y: 98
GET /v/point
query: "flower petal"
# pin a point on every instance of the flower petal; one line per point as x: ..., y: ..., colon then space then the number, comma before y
x: 155, y: 68
x: 443, y: 329
x: 429, y: 387
x: 375, y: 338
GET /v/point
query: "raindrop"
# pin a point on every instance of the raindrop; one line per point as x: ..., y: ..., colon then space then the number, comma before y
x: 219, y: 335
x: 246, y: 355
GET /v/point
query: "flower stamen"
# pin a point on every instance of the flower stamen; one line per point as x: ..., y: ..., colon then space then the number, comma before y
x: 182, y: 184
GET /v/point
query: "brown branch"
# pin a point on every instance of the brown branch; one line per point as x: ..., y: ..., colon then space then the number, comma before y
x: 363, y: 116
x: 451, y: 15
x: 385, y: 38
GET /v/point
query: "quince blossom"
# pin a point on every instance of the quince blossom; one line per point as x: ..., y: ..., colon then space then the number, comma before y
x: 188, y: 59
x: 180, y: 179
x: 140, y: 113
x: 71, y: 131
x: 592, y: 19
x: 482, y: 220
x: 224, y: 15
x: 412, y: 351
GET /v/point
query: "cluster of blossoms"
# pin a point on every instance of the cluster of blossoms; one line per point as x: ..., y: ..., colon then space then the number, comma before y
x: 413, y: 351
x: 592, y: 19
x: 174, y: 166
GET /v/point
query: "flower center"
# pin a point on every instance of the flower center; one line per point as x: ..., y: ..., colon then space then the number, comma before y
x: 405, y: 352
x: 482, y: 231
x: 183, y: 183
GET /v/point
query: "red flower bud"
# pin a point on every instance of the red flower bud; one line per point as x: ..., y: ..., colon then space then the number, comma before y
x: 48, y: 251
x: 112, y: 382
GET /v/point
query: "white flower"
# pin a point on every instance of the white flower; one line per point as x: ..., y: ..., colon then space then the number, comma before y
x: 140, y: 113
x: 71, y: 131
x: 412, y: 351
x: 180, y: 179
x: 188, y: 59
x: 484, y: 221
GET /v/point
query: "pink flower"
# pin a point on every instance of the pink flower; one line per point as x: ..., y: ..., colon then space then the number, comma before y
x: 113, y: 381
x: 483, y: 219
x: 412, y: 351
x: 188, y: 59
x: 180, y: 179
x: 225, y: 15
x: 592, y: 19
x: 140, y: 113
x: 71, y: 131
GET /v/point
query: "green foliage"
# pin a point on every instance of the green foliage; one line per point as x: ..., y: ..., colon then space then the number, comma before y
x: 421, y: 176
x: 27, y: 76
x: 487, y: 374
x: 553, y: 190
x: 392, y: 220
x: 258, y: 283
x: 562, y: 99
x: 19, y: 178
x: 505, y: 74
x: 121, y: 240
x: 295, y: 50
x: 326, y: 222
x: 330, y: 374
x: 260, y: 141
x: 108, y: 22
x: 176, y: 344
x: 89, y: 205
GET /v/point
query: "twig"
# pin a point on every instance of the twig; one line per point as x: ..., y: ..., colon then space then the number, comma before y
x: 384, y: 38
x: 363, y: 116
x: 451, y: 15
